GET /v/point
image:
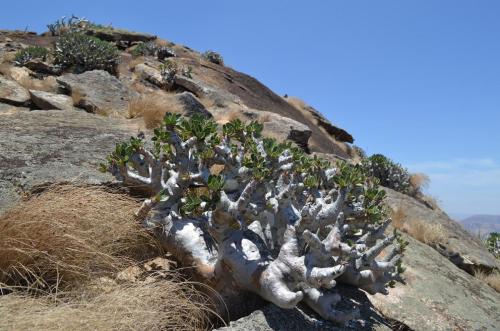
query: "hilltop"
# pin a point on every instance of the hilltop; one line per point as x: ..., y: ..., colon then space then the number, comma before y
x: 59, y: 120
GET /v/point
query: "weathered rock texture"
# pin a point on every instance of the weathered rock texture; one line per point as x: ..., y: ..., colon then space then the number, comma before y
x: 47, y: 100
x: 460, y: 247
x: 12, y: 93
x: 39, y: 147
x: 98, y: 91
x: 439, y: 296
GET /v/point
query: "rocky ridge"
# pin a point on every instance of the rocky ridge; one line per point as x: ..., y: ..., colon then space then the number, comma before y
x: 61, y: 136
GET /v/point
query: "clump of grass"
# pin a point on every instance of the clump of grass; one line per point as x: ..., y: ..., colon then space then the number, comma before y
x: 60, y: 253
x: 152, y: 107
x: 48, y: 84
x: 419, y: 181
x: 67, y: 235
x: 492, y: 278
x: 428, y: 233
x: 166, y: 304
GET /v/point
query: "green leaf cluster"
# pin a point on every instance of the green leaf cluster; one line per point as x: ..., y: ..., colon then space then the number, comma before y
x: 25, y: 55
x: 213, y: 57
x: 79, y: 53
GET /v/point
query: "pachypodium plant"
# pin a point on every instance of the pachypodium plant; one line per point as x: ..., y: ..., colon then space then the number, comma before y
x: 64, y: 25
x: 79, y: 52
x: 389, y: 173
x: 493, y: 243
x: 260, y: 215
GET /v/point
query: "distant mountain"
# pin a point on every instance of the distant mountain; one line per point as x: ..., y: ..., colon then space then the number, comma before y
x: 482, y: 224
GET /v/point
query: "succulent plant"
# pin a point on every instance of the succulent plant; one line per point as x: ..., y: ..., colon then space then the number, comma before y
x: 25, y: 55
x: 150, y: 48
x: 389, y: 173
x: 493, y: 243
x: 73, y: 24
x: 78, y: 53
x: 272, y: 220
x: 213, y: 57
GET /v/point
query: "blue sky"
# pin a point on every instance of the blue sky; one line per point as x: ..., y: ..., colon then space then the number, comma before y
x: 418, y: 81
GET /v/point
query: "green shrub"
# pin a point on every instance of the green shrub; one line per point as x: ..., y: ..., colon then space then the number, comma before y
x: 79, y: 53
x: 23, y: 56
x: 213, y: 57
x: 145, y: 49
x: 389, y: 173
x: 493, y: 243
x: 150, y: 48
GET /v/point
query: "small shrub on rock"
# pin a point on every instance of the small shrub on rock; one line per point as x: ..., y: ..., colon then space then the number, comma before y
x: 30, y: 53
x: 150, y: 48
x: 213, y: 57
x: 493, y: 243
x: 389, y: 173
x: 79, y: 53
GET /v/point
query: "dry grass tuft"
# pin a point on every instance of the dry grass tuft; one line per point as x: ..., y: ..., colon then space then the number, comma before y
x: 419, y: 181
x: 418, y: 229
x: 48, y: 84
x: 153, y: 107
x: 77, y: 96
x: 66, y: 235
x: 135, y: 61
x: 492, y: 279
x: 62, y: 252
x: 157, y: 305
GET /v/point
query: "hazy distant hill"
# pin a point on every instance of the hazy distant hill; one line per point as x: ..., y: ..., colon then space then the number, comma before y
x: 482, y: 224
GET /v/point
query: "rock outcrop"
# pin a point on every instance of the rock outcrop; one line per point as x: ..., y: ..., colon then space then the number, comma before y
x: 47, y: 100
x: 460, y: 247
x: 436, y: 295
x: 13, y: 93
x: 98, y: 91
x: 41, y: 147
x: 54, y: 146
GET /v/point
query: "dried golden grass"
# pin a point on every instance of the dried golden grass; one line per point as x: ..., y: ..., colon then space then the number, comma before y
x: 296, y: 102
x: 22, y: 76
x: 48, y: 84
x: 67, y: 235
x: 153, y: 107
x: 419, y: 229
x: 60, y: 251
x: 77, y: 96
x: 419, y: 181
x: 492, y: 279
x: 135, y: 61
x: 166, y: 304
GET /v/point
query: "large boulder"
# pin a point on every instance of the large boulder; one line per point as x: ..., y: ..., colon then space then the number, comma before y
x: 436, y: 295
x: 321, y: 121
x: 12, y: 93
x: 98, y: 91
x: 458, y: 245
x: 191, y: 105
x: 149, y: 74
x: 47, y: 100
x: 41, y: 147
